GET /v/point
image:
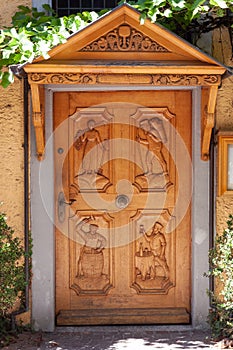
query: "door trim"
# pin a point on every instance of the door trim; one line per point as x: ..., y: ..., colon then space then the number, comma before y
x: 42, y: 215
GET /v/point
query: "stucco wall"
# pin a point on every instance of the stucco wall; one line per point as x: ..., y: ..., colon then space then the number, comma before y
x: 11, y: 140
x: 11, y: 155
x: 11, y: 136
x: 222, y: 51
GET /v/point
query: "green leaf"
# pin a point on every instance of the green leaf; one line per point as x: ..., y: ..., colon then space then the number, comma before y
x: 178, y: 4
x: 157, y: 3
x: 7, y: 52
x: 2, y: 36
x: 142, y: 18
x: 48, y: 9
x: 24, y: 9
x: 26, y: 45
x: 7, y: 79
x: 94, y: 15
x: 167, y: 13
x: 196, y: 4
x: 220, y: 3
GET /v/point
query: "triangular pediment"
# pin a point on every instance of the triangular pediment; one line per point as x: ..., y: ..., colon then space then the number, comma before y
x: 118, y: 35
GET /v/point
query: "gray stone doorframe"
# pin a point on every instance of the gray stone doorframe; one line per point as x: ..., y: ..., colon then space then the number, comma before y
x: 42, y: 217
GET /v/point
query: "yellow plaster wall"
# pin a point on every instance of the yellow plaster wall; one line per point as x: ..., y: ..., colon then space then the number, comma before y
x: 11, y: 136
x: 11, y: 155
x: 11, y: 140
x: 8, y: 9
x: 222, y: 51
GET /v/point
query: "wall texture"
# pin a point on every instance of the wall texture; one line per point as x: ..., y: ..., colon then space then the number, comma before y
x: 222, y: 51
x: 11, y: 140
x: 11, y: 145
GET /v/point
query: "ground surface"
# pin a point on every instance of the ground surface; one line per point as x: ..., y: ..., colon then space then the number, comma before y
x: 114, y: 338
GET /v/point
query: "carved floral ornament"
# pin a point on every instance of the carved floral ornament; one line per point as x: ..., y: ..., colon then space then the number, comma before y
x: 125, y: 38
x: 145, y: 79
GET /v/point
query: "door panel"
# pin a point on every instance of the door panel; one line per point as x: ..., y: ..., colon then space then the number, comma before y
x: 122, y: 250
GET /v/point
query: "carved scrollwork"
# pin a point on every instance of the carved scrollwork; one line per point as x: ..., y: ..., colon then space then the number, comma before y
x: 125, y: 38
x: 212, y: 79
x: 176, y: 79
x: 185, y: 79
x: 62, y: 78
x: 146, y: 79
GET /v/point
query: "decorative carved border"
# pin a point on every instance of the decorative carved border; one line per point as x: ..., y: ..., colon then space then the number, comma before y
x: 124, y: 39
x: 130, y: 79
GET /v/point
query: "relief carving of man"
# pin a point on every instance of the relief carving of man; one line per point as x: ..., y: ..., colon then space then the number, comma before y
x: 157, y: 244
x: 151, y: 138
x: 91, y: 259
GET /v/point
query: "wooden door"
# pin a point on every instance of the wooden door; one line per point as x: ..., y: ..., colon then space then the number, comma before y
x: 122, y: 192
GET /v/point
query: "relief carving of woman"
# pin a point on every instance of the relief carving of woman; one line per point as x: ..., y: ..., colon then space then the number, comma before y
x: 93, y: 149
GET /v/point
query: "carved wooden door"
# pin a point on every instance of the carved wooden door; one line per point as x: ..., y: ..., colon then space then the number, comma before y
x: 122, y: 191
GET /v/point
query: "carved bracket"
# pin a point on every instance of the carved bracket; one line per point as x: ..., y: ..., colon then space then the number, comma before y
x: 38, y: 117
x: 208, y: 122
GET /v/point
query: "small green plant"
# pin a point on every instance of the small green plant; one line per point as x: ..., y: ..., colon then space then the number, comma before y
x: 12, y: 276
x: 221, y: 268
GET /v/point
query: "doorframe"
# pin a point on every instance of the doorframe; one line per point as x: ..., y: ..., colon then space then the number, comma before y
x: 42, y: 175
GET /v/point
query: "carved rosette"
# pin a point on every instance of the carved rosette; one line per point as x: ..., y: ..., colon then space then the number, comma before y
x: 145, y: 79
x: 125, y: 38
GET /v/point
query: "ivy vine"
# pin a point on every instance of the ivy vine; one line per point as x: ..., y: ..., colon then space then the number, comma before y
x: 12, y: 278
x: 221, y: 268
x: 12, y: 274
x: 33, y: 33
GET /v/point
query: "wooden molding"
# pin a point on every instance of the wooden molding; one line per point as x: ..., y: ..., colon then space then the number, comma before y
x: 224, y: 140
x: 38, y: 118
x: 129, y: 79
x: 208, y: 122
x: 123, y: 316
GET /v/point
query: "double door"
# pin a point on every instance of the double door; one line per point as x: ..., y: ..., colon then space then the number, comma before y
x: 122, y: 193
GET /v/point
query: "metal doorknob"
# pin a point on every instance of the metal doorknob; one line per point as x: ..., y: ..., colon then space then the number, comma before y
x: 122, y: 201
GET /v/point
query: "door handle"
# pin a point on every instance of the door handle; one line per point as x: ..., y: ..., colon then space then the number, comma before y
x: 61, y: 206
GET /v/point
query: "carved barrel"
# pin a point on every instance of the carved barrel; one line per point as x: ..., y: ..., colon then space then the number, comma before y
x: 92, y: 264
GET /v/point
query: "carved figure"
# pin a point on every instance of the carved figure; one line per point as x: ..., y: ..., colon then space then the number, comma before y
x: 151, y: 134
x: 91, y: 259
x: 90, y: 141
x: 157, y: 244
